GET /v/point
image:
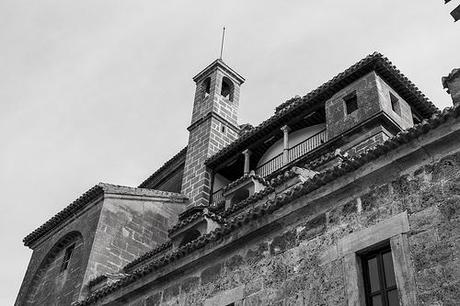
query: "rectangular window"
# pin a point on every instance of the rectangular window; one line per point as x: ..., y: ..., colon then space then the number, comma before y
x: 379, y: 278
x: 67, y: 255
x: 395, y: 104
x: 351, y: 103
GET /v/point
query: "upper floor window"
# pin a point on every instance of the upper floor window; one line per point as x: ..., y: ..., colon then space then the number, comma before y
x: 395, y: 106
x: 227, y: 88
x: 67, y: 255
x: 379, y: 278
x: 351, y: 103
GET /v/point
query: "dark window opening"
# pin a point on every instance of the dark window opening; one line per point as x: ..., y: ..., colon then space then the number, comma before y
x: 395, y: 106
x: 379, y: 278
x: 239, y: 196
x: 222, y: 128
x: 67, y: 255
x: 416, y: 118
x: 207, y: 87
x: 227, y: 88
x: 351, y: 103
x: 190, y: 236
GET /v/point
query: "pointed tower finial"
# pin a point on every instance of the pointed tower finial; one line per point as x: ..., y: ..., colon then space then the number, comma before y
x: 222, y: 43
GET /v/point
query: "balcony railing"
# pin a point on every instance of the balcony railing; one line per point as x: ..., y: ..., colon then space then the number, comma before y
x: 307, y: 145
x: 294, y: 153
x: 217, y: 196
x: 270, y: 166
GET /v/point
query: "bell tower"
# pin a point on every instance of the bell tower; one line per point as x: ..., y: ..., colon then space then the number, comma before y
x: 214, y: 125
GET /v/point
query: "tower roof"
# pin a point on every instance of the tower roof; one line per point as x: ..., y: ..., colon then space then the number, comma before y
x: 219, y: 63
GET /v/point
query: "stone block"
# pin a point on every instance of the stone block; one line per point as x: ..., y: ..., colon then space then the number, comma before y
x: 211, y: 274
x: 190, y: 283
x: 283, y: 242
x: 171, y: 292
x: 153, y: 300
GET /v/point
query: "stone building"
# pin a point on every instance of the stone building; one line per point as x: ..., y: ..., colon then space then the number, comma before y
x: 348, y: 195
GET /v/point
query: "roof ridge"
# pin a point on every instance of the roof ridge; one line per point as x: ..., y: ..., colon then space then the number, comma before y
x: 63, y: 214
x: 164, y: 166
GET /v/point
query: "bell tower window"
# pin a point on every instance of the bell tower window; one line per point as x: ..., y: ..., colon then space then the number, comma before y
x: 207, y: 87
x: 227, y: 88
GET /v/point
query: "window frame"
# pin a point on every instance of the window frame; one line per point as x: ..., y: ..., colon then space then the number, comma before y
x: 66, y: 258
x: 377, y: 253
x: 351, y: 102
x: 348, y: 248
x: 395, y: 104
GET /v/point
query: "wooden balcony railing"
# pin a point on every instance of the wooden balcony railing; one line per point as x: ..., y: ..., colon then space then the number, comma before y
x: 294, y: 153
x: 307, y: 145
x: 270, y: 166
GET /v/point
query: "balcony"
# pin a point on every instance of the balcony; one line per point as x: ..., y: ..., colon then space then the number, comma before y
x: 293, y: 154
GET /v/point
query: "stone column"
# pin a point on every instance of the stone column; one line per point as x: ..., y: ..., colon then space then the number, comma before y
x: 285, y: 130
x: 452, y: 83
x: 246, y: 154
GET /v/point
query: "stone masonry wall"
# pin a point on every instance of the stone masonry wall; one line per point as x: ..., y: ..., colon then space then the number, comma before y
x: 404, y: 120
x: 127, y: 229
x: 51, y: 286
x: 337, y: 121
x: 85, y: 225
x: 368, y: 144
x: 289, y: 264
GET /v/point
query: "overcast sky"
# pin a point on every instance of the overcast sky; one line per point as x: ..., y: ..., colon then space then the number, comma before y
x: 96, y: 91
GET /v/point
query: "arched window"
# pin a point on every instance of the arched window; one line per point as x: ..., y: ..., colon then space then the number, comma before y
x: 58, y: 273
x: 206, y: 87
x: 190, y: 236
x: 227, y: 88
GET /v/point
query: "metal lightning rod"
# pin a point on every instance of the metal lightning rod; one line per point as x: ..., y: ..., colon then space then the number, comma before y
x: 222, y: 44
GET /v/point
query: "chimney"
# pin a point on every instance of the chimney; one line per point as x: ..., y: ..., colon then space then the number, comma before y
x: 452, y: 83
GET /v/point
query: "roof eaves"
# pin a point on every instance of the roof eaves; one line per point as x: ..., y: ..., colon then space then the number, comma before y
x: 90, y: 195
x: 168, y: 163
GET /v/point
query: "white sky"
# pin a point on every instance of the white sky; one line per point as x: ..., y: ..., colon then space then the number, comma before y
x: 101, y: 90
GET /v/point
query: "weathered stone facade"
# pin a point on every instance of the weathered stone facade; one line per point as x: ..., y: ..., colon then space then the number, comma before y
x: 300, y: 234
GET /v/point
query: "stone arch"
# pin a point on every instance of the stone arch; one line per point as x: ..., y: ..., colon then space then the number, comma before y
x: 206, y: 87
x: 50, y: 284
x: 227, y: 88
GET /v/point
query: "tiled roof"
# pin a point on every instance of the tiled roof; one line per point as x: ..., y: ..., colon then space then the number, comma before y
x: 374, y: 62
x: 148, y: 255
x: 192, y: 218
x: 244, y: 178
x: 89, y: 196
x: 271, y: 206
x: 178, y: 156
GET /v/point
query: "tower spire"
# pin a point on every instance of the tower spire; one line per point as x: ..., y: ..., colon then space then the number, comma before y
x: 222, y: 43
